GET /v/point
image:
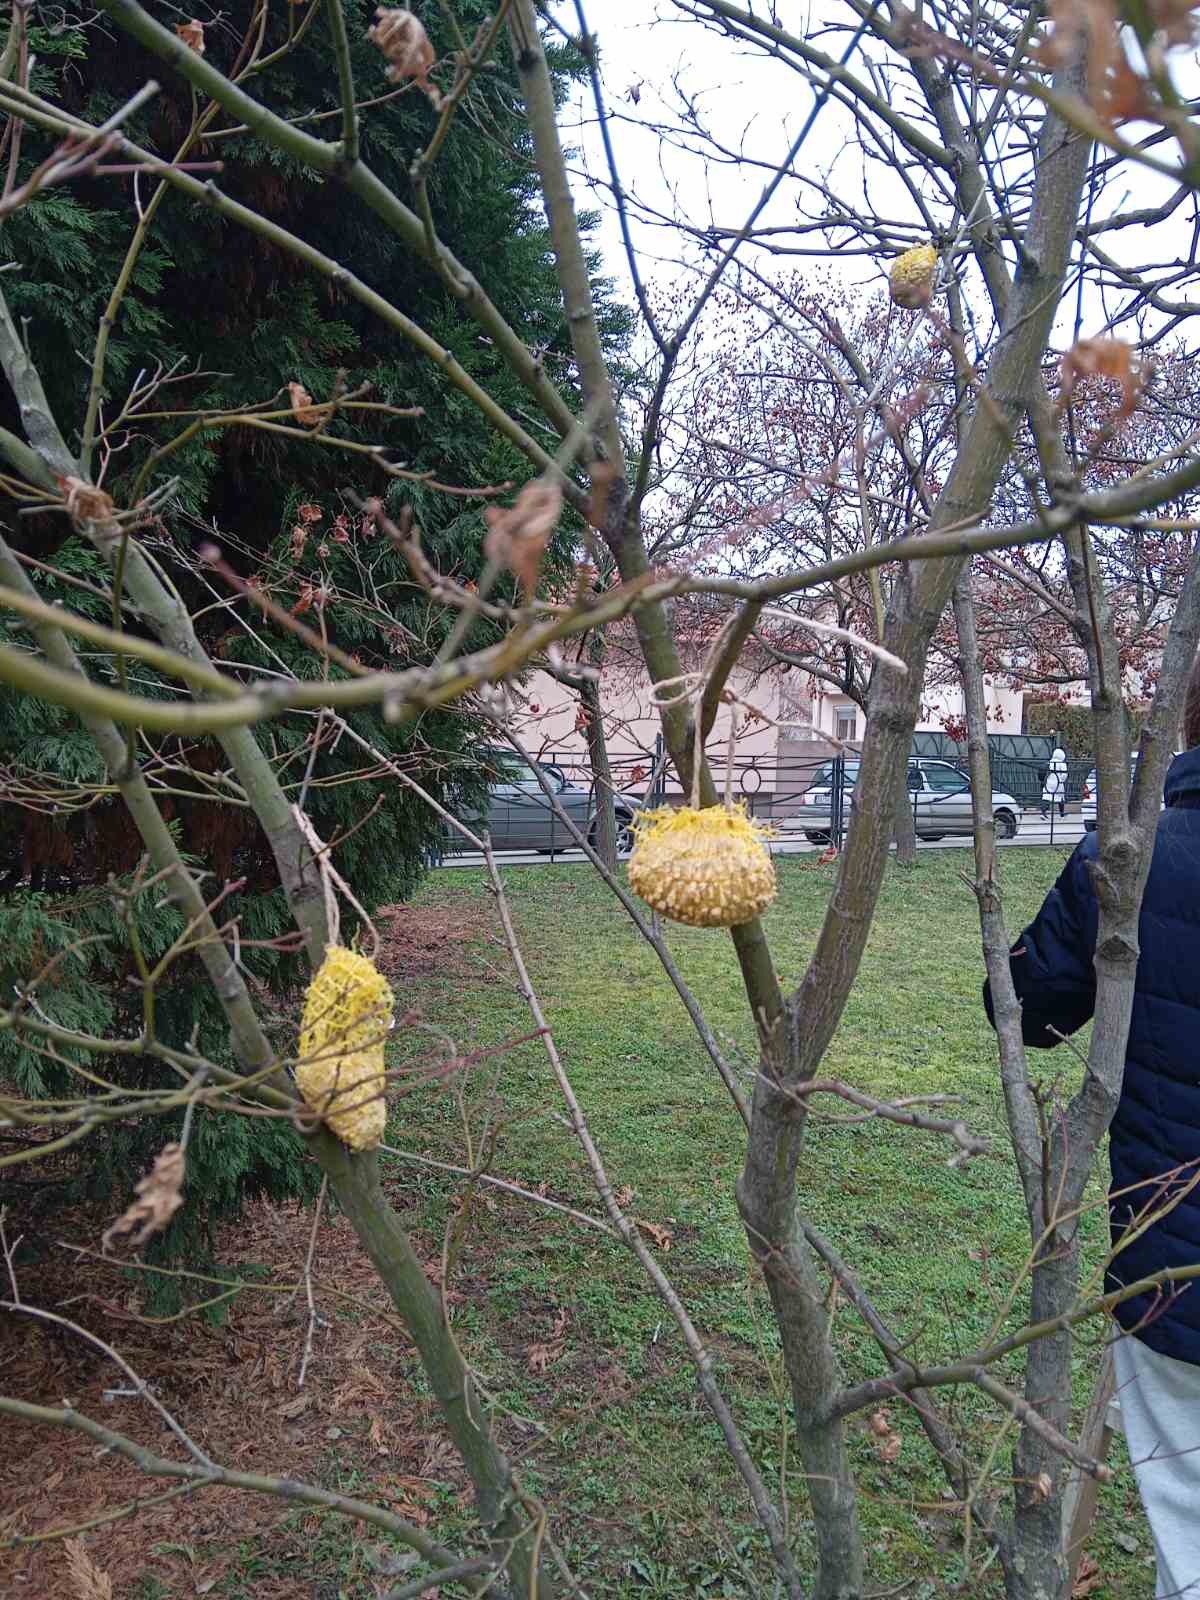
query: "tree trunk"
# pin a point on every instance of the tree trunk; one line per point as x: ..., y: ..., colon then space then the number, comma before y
x: 766, y: 1195
x: 904, y: 832
x: 604, y: 828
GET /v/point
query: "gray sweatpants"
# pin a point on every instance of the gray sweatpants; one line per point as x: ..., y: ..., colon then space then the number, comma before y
x: 1160, y: 1412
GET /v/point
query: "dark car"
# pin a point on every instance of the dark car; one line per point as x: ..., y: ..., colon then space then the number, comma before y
x: 520, y: 816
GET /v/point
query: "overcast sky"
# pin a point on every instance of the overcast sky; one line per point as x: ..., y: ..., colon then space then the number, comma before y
x: 756, y: 105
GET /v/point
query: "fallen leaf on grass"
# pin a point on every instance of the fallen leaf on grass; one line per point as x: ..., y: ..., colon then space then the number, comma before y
x: 888, y: 1443
x: 1088, y: 1577
x: 663, y: 1237
x: 406, y: 1495
x: 541, y: 1356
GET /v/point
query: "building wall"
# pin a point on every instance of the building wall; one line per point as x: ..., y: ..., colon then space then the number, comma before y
x: 798, y: 728
x: 549, y: 719
x: 938, y: 706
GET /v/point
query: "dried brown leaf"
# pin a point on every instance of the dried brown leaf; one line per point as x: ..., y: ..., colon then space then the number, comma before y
x: 888, y: 1443
x: 1112, y: 359
x: 160, y: 1195
x: 1043, y: 1486
x: 889, y: 1448
x: 1114, y: 91
x: 517, y: 536
x: 192, y: 34
x: 305, y: 413
x: 663, y: 1237
x: 87, y: 1580
x: 403, y: 40
x: 1088, y: 1577
x: 541, y: 1356
x: 85, y: 503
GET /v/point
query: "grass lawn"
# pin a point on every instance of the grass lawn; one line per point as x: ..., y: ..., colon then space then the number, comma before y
x: 589, y: 1381
x: 589, y: 1376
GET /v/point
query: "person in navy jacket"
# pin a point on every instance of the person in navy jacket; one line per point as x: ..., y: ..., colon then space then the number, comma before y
x: 1154, y: 1142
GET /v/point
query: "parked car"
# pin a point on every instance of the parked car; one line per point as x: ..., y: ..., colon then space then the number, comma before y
x: 939, y: 793
x: 520, y: 817
x: 1087, y: 809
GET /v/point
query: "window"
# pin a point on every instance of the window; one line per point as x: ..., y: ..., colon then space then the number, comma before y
x: 503, y: 767
x: 847, y: 722
x: 823, y: 778
x: 945, y: 779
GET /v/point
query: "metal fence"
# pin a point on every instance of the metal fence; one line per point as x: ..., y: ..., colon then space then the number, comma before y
x: 807, y: 801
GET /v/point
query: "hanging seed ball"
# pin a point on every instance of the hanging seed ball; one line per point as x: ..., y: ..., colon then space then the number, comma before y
x: 709, y: 868
x: 347, y: 1014
x: 912, y: 277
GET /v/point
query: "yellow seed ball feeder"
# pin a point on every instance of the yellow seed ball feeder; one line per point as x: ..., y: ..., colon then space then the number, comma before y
x: 340, y: 1072
x: 913, y: 276
x: 707, y: 867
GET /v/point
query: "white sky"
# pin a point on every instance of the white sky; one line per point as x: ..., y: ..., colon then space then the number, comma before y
x: 757, y: 105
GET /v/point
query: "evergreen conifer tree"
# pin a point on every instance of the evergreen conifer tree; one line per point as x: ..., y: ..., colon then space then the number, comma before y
x: 231, y: 321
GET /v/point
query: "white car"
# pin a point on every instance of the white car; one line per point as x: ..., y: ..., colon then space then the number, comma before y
x: 1091, y: 789
x: 939, y: 793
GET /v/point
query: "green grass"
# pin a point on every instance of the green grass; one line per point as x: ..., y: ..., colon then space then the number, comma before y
x: 630, y: 1464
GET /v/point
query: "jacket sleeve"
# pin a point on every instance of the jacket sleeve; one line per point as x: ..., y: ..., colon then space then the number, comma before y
x: 1051, y: 963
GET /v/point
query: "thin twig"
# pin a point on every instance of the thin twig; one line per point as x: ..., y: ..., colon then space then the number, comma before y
x: 767, y: 1513
x: 140, y: 1387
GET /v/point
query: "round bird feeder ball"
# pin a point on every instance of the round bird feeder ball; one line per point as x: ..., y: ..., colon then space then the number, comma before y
x: 707, y: 868
x: 912, y: 277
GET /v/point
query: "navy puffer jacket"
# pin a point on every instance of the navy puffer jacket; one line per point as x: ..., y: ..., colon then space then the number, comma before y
x: 1156, y: 1131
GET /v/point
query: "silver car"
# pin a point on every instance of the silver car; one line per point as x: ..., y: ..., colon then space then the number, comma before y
x: 520, y: 817
x: 1087, y: 809
x: 939, y: 793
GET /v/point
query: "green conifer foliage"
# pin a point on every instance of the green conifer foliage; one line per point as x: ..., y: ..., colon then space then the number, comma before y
x: 231, y: 320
